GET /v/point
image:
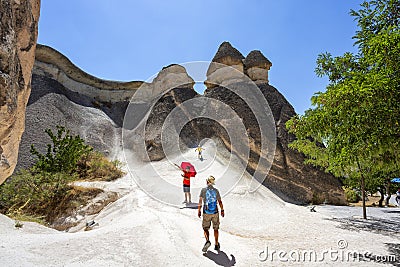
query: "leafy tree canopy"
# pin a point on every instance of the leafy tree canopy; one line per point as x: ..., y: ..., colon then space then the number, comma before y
x: 357, y: 116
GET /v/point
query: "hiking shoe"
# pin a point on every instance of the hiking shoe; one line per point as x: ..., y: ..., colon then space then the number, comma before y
x: 184, y: 202
x: 206, y: 246
x: 217, y: 246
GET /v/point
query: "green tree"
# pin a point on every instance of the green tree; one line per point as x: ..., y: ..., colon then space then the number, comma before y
x: 353, y: 128
x: 63, y: 154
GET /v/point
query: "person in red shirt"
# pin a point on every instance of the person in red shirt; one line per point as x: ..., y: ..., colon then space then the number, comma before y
x: 186, y: 184
x: 188, y: 172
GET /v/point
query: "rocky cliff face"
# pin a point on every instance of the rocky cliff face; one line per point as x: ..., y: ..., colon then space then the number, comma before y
x: 18, y: 35
x: 288, y: 177
x: 54, y: 65
x: 62, y: 94
x: 94, y: 109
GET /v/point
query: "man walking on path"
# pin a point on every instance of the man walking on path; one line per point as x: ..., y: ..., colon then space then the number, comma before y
x: 209, y: 196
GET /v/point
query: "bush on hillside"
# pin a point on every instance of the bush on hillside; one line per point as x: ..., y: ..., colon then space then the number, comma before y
x: 33, y: 194
x: 95, y: 166
x: 63, y: 154
x: 46, y: 191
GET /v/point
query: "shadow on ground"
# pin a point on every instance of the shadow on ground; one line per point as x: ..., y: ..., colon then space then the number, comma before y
x: 381, y: 226
x: 190, y: 206
x: 394, y: 249
x: 392, y: 211
x: 392, y: 258
x: 220, y: 258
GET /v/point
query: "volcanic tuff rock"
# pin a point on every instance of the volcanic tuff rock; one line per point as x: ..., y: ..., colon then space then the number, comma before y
x: 223, y: 65
x: 288, y: 177
x: 257, y: 66
x: 97, y: 113
x: 228, y: 55
x: 63, y: 94
x: 18, y: 34
x: 172, y: 76
x: 53, y: 64
x: 222, y: 70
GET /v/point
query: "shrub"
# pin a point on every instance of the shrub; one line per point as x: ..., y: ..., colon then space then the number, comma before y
x: 351, y: 195
x: 95, y: 166
x: 63, y: 154
x: 46, y: 192
x: 33, y: 193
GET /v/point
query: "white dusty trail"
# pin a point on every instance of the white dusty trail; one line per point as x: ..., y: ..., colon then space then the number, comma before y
x: 138, y: 230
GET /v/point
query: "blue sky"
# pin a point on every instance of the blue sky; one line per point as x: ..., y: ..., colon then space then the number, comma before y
x: 128, y: 40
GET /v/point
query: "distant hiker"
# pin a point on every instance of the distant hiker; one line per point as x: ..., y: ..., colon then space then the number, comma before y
x: 209, y: 196
x: 186, y: 183
x: 398, y: 197
x: 199, y: 149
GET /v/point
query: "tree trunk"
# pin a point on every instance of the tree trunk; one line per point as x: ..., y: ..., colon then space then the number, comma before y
x: 388, y: 193
x: 362, y: 191
x: 363, y: 196
x: 382, y: 192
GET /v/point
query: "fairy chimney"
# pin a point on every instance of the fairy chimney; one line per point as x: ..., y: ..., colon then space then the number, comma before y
x: 257, y: 66
x: 226, y: 64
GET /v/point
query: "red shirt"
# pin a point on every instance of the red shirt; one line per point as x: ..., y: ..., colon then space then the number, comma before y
x: 186, y: 178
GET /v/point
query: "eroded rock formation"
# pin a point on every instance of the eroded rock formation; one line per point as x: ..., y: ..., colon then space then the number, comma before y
x: 288, y: 177
x: 257, y: 66
x: 63, y: 94
x: 95, y: 109
x: 54, y: 65
x: 18, y: 35
x: 220, y: 69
